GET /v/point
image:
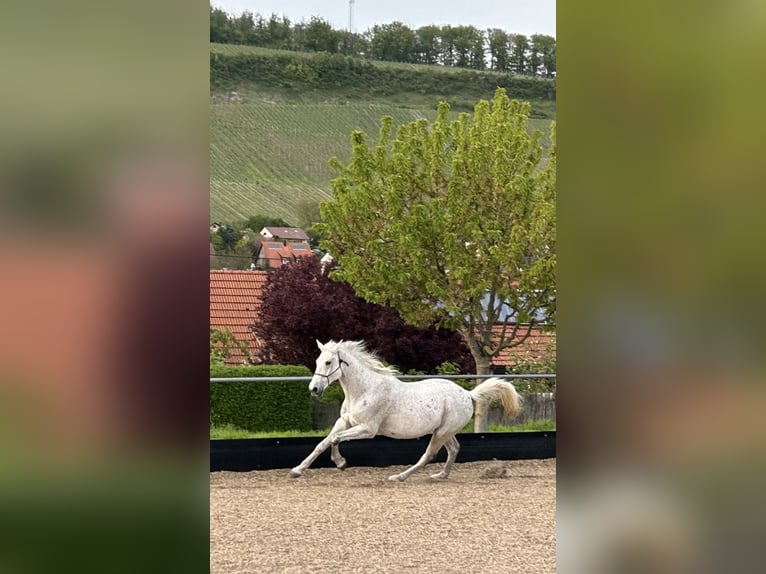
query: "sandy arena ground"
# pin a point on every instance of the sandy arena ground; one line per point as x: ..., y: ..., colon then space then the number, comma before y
x: 489, y: 517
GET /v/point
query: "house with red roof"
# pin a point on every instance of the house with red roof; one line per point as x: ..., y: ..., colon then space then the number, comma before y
x: 288, y: 234
x: 235, y: 296
x: 540, y: 343
x: 275, y: 254
x: 280, y: 246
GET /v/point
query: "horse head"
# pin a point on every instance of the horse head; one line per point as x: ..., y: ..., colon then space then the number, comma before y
x: 328, y: 370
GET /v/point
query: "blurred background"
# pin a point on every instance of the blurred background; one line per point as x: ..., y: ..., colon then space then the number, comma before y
x: 661, y: 278
x: 103, y: 296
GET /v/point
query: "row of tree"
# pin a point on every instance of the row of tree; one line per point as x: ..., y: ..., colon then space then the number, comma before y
x: 458, y: 46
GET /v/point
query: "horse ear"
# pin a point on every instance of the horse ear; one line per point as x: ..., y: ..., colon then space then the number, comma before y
x: 320, y: 345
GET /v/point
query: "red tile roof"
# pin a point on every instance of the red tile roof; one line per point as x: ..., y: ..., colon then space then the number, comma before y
x: 536, y: 346
x: 276, y: 252
x: 234, y: 300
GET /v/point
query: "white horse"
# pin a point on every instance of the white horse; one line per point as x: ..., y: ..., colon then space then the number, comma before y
x: 377, y: 403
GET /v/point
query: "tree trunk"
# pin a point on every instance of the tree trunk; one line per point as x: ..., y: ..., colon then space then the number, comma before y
x: 483, y: 367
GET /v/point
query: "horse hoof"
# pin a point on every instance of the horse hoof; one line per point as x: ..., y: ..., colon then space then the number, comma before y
x: 398, y: 477
x: 295, y: 473
x: 439, y: 476
x: 342, y: 465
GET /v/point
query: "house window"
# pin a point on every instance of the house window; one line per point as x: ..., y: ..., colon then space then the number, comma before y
x: 285, y: 261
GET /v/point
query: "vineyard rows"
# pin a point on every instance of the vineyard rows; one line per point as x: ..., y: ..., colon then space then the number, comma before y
x: 267, y: 157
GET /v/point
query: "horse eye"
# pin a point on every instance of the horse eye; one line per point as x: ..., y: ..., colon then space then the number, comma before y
x: 327, y: 363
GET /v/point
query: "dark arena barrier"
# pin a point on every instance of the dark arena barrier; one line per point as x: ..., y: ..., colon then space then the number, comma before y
x: 274, y: 453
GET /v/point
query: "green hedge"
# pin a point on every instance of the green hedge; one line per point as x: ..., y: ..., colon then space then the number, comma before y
x: 323, y: 71
x: 264, y: 406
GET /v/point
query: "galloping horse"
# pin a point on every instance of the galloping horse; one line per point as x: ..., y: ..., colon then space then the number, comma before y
x: 377, y: 403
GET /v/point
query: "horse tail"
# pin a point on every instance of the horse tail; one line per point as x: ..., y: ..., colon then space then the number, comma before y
x: 495, y: 388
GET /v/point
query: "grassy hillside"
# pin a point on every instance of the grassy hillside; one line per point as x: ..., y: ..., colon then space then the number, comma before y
x: 270, y: 142
x: 234, y: 49
x: 302, y: 76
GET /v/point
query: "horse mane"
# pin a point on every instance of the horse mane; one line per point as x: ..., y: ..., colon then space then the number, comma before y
x: 359, y: 350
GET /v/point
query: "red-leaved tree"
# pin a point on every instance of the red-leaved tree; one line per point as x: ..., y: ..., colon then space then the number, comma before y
x: 301, y: 304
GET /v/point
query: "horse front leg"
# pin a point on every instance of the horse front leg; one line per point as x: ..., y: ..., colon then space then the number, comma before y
x: 354, y: 433
x: 337, y: 458
x: 339, y: 426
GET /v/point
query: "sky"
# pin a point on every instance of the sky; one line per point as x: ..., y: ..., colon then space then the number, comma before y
x: 517, y: 16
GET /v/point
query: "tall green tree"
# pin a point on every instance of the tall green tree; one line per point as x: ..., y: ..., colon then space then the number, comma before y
x: 238, y: 255
x: 451, y: 223
x: 229, y: 236
x: 468, y: 44
x: 279, y: 32
x: 355, y: 44
x: 447, y: 45
x: 548, y: 48
x: 463, y: 39
x: 427, y: 42
x: 244, y: 28
x: 498, y: 42
x: 478, y: 50
x: 535, y: 55
x: 518, y: 53
x: 394, y: 42
x: 320, y: 36
x: 220, y: 26
x: 542, y: 55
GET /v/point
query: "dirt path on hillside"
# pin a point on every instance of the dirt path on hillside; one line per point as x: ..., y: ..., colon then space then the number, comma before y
x: 488, y: 517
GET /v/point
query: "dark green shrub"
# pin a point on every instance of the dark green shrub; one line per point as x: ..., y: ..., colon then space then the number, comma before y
x: 266, y: 406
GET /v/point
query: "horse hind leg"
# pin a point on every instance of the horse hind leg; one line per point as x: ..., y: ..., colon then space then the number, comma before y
x: 453, y: 447
x: 431, y: 450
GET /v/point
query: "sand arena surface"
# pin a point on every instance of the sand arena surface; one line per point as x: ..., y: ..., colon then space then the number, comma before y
x: 493, y: 516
